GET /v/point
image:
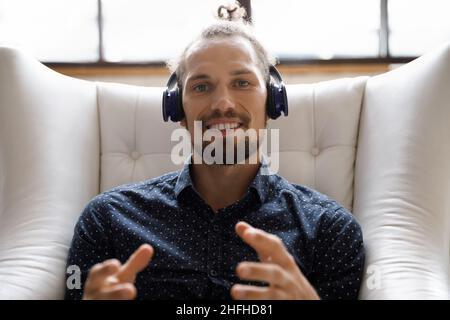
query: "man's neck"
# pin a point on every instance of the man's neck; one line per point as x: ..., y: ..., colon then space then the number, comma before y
x: 222, y: 185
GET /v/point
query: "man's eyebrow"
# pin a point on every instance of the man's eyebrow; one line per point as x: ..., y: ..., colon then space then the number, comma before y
x: 198, y: 77
x: 241, y: 71
x: 203, y: 76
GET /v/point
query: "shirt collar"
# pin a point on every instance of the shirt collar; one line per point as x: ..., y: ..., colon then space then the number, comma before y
x: 260, y: 183
x: 184, y: 178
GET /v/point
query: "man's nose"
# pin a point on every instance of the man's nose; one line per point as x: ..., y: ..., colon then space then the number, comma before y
x: 223, y: 101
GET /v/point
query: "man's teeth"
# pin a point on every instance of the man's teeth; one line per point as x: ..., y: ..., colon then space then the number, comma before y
x: 224, y: 126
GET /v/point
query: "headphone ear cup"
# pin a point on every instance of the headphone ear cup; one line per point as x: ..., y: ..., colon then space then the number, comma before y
x: 172, y: 106
x: 271, y: 107
x: 282, y: 101
x: 165, y: 104
x: 179, y: 109
x: 277, y: 101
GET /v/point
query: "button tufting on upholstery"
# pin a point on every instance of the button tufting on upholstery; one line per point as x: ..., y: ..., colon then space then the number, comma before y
x: 315, y: 151
x: 135, y: 155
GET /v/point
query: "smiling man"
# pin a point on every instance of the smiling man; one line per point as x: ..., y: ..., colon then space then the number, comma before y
x: 218, y: 231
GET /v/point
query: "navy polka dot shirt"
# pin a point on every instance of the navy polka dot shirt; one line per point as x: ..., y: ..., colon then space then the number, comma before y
x: 197, y: 250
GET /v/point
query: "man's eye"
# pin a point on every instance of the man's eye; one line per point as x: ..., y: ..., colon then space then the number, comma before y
x: 242, y: 83
x: 200, y: 88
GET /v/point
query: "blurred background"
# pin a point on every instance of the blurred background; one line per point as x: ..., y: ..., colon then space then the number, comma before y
x: 128, y: 41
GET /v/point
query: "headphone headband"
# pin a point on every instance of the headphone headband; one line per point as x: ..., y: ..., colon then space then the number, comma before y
x: 275, y: 73
x: 172, y: 80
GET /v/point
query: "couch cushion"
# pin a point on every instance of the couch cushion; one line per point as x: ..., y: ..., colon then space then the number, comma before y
x: 135, y: 141
x: 318, y: 138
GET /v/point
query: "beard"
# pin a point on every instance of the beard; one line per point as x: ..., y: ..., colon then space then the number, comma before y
x: 234, y: 151
x: 238, y: 146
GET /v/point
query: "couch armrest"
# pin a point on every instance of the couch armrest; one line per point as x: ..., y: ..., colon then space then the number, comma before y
x: 402, y: 180
x: 49, y: 169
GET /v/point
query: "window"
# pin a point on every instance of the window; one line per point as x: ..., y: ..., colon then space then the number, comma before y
x: 417, y: 26
x: 143, y: 31
x: 52, y: 30
x: 319, y: 29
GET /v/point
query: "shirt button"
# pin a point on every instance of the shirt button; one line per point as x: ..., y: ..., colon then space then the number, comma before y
x: 315, y: 151
x: 213, y: 273
x: 216, y: 228
x: 135, y: 155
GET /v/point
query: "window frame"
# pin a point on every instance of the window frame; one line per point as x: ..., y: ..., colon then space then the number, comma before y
x: 384, y: 56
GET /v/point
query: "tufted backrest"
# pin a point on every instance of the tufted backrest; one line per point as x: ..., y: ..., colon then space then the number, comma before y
x: 318, y: 138
x: 135, y: 141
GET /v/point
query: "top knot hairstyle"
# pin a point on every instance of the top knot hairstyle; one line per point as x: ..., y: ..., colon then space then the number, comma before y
x: 232, y: 22
x: 232, y: 13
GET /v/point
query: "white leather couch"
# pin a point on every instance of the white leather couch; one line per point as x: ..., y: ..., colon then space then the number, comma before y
x: 380, y: 146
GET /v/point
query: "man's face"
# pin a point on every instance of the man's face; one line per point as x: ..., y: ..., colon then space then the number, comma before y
x: 223, y: 87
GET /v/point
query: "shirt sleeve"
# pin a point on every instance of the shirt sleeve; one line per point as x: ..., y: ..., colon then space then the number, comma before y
x: 339, y: 257
x: 89, y: 246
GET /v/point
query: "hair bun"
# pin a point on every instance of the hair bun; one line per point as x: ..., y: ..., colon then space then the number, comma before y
x: 232, y: 12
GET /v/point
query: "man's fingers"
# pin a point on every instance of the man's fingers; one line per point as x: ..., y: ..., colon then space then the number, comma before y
x: 241, y: 227
x: 244, y: 292
x: 121, y: 291
x: 269, y: 247
x: 267, y: 272
x: 104, y: 279
x: 137, y: 262
x: 100, y: 272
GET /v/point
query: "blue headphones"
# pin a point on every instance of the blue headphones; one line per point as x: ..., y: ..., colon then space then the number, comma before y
x: 277, y: 103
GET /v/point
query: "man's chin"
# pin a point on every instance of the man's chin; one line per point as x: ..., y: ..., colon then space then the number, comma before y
x: 229, y: 158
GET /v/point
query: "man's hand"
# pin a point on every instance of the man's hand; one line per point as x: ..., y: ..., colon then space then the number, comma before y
x: 111, y: 280
x: 277, y: 267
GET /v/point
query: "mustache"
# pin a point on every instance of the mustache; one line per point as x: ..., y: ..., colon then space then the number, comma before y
x: 216, y: 114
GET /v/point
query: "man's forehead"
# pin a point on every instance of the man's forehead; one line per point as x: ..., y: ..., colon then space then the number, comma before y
x: 235, y: 54
x: 231, y: 50
x: 232, y: 68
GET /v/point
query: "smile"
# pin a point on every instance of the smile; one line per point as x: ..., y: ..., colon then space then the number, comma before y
x: 224, y: 126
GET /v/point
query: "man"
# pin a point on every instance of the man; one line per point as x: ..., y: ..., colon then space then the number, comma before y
x: 218, y: 231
